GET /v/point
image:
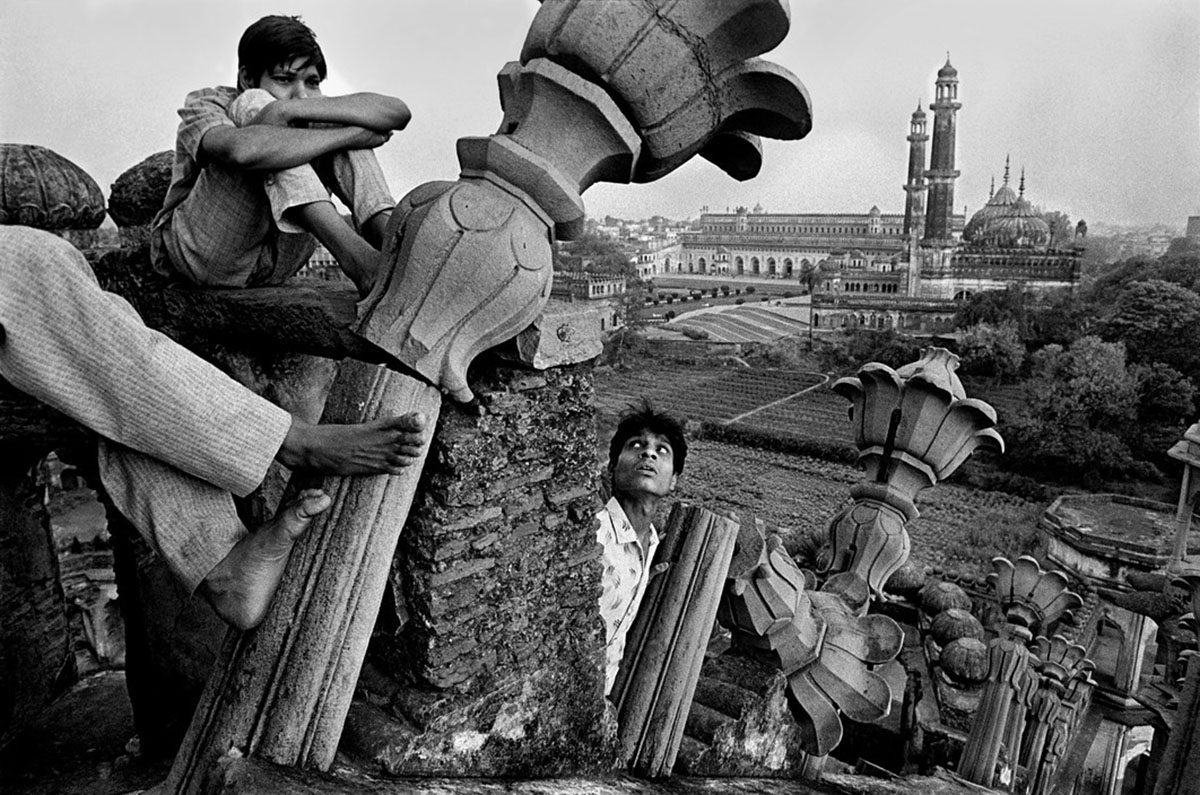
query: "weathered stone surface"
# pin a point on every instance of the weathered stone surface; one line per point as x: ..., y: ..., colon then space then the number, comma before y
x: 753, y: 734
x: 34, y: 640
x: 251, y: 777
x: 43, y: 189
x: 282, y: 691
x: 137, y: 195
x: 685, y: 74
x: 563, y: 334
x: 494, y: 649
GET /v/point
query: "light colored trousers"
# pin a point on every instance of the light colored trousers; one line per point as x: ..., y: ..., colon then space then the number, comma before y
x: 178, y: 436
x: 227, y: 234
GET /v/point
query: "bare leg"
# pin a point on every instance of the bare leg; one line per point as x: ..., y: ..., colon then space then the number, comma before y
x: 358, y: 259
x: 241, y: 586
x: 375, y: 229
x: 388, y: 445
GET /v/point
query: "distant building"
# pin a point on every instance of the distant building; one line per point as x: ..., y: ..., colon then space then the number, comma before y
x: 902, y: 271
x: 604, y: 289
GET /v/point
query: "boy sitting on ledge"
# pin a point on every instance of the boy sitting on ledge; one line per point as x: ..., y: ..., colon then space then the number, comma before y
x: 255, y: 166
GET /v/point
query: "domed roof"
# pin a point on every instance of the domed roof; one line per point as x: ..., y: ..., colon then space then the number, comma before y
x: 999, y: 202
x: 947, y: 70
x: 1008, y: 220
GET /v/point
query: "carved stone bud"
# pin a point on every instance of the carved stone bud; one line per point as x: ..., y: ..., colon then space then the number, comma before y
x: 965, y: 660
x: 43, y: 189
x: 950, y: 625
x: 939, y: 595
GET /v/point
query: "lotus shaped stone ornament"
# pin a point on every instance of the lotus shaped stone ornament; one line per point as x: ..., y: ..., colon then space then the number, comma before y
x: 922, y: 414
x: 686, y: 73
x: 913, y: 427
x: 826, y: 652
x: 1030, y: 596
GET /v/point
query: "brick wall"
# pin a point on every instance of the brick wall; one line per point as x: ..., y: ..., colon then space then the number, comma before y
x: 490, y: 660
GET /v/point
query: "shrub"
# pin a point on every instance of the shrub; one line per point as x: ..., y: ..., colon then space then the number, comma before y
x: 670, y: 314
x: 740, y: 301
x: 750, y: 290
x: 693, y: 333
x: 788, y: 294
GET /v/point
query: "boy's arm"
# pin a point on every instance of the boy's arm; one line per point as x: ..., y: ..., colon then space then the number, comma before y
x: 261, y: 147
x: 377, y: 112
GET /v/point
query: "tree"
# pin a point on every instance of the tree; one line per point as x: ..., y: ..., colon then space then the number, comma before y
x: 1062, y: 233
x: 992, y: 306
x: 1075, y: 403
x: 1158, y: 322
x: 990, y: 349
x: 1166, y: 400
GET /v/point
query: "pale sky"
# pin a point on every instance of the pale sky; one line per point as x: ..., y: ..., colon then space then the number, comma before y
x: 1099, y: 101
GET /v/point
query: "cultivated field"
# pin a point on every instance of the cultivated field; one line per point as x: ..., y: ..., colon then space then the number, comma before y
x: 959, y: 527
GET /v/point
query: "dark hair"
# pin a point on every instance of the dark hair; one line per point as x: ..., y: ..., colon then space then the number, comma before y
x: 644, y: 417
x: 275, y: 40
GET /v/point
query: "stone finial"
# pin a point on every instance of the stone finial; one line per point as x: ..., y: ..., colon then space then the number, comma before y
x: 137, y: 195
x: 1030, y: 596
x: 1060, y: 660
x: 686, y: 72
x: 43, y: 189
x: 826, y: 652
x: 606, y: 90
x: 913, y: 427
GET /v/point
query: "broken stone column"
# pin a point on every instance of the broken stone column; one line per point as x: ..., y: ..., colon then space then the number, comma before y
x: 665, y: 648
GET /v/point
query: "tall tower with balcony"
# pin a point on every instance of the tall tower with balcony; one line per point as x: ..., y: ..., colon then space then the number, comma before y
x: 939, y: 211
x: 915, y: 187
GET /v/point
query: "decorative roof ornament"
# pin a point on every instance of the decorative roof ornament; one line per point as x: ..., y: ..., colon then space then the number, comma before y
x: 1030, y: 596
x: 913, y: 427
x: 826, y: 652
x: 605, y: 90
x: 684, y: 72
x: 41, y: 188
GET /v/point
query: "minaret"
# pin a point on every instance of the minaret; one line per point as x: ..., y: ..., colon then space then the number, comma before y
x: 939, y: 211
x: 914, y: 203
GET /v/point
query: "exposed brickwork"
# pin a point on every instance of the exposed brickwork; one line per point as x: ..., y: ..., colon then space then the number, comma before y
x: 496, y: 579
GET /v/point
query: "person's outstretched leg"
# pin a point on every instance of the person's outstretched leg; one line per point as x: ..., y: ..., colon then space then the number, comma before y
x: 196, y: 434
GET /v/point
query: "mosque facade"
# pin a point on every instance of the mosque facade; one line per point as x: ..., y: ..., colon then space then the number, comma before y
x: 903, y: 271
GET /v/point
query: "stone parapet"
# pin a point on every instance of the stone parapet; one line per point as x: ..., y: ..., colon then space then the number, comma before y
x: 490, y: 662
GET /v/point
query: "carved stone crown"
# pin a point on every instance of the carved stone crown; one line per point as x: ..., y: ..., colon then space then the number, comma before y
x: 1030, y: 596
x: 685, y: 72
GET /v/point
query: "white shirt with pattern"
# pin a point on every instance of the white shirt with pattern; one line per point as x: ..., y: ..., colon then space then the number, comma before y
x: 623, y: 581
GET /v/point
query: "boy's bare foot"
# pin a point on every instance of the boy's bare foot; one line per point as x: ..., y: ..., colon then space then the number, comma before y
x: 370, y: 448
x: 241, y: 586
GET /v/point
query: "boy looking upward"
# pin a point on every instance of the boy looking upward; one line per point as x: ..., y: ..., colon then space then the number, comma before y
x: 255, y: 166
x: 645, y: 458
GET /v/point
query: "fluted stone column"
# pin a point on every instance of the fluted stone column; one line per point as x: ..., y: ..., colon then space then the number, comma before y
x: 282, y: 691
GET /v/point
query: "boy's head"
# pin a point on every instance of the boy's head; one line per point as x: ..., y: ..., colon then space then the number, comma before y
x: 276, y: 41
x: 647, y: 451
